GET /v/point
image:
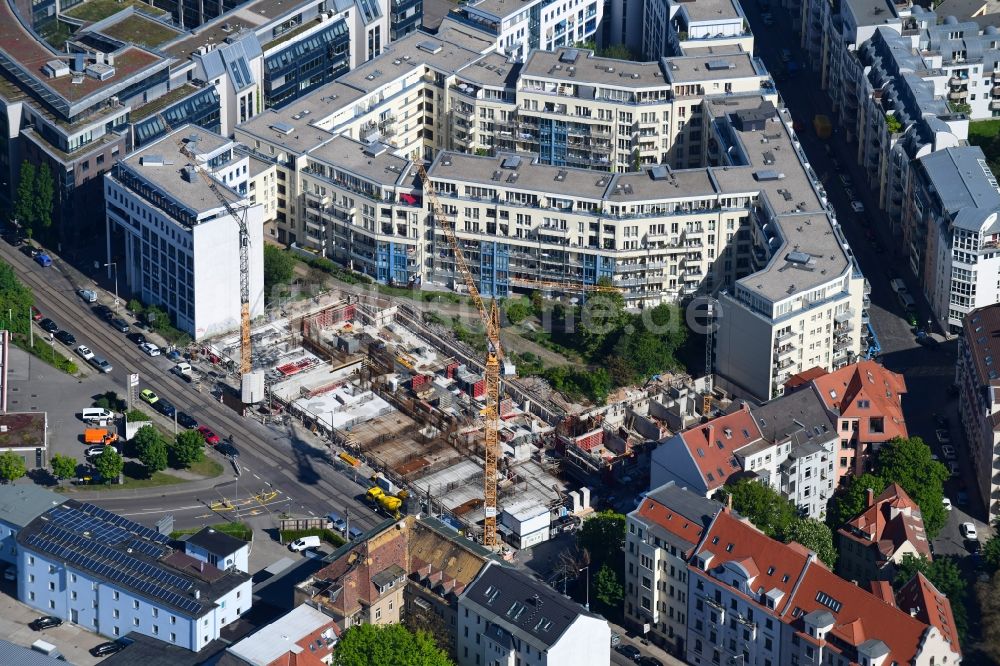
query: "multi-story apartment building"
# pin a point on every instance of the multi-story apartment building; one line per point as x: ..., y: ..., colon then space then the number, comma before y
x: 114, y: 577
x: 951, y: 232
x: 864, y: 402
x: 754, y: 600
x: 517, y: 29
x: 507, y: 617
x: 800, y: 295
x: 675, y: 27
x: 872, y: 544
x: 181, y: 246
x: 979, y: 400
x: 661, y: 535
x: 19, y: 505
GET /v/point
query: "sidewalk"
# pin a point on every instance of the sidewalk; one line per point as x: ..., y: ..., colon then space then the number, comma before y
x: 650, y: 650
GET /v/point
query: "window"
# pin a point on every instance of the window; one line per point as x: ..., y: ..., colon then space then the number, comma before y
x: 135, y: 604
x: 173, y: 638
x: 114, y: 595
x: 135, y: 621
x: 52, y: 605
x: 114, y: 613
x: 378, y: 613
x: 115, y: 631
x: 156, y: 629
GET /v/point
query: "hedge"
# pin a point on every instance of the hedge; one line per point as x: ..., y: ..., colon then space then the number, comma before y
x: 331, y: 537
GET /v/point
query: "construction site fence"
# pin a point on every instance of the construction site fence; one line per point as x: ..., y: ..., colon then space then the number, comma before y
x: 289, y: 524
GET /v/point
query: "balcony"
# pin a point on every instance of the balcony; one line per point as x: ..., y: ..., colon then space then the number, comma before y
x: 782, y: 364
x: 994, y: 104
x: 782, y: 352
x: 958, y: 95
x: 957, y: 81
x: 784, y: 336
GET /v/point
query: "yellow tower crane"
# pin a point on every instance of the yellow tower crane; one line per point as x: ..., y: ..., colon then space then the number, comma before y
x: 246, y: 351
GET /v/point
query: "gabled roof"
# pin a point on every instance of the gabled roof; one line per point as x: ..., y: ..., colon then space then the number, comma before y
x: 301, y: 636
x: 920, y: 598
x: 678, y: 511
x: 20, y: 504
x: 859, y: 616
x: 863, y: 390
x: 890, y: 521
x: 778, y: 566
x: 712, y: 445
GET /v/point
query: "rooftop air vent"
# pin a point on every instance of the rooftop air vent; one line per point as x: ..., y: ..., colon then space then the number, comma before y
x: 718, y: 65
x: 282, y: 128
x: 560, y: 176
x: 430, y: 47
x: 767, y: 175
x: 799, y: 257
x: 374, y: 149
x: 151, y: 160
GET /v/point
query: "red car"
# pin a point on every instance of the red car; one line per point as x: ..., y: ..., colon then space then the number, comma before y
x: 210, y: 437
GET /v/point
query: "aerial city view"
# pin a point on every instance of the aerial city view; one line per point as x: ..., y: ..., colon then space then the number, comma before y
x: 499, y: 332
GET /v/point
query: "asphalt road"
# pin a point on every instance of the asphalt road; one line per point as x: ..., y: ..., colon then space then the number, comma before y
x: 281, y: 457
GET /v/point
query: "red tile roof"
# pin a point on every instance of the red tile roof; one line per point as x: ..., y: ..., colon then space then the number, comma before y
x: 919, y: 596
x: 658, y: 514
x: 729, y: 539
x: 711, y: 445
x: 804, y: 377
x: 858, y: 615
x: 891, y: 520
x: 863, y: 390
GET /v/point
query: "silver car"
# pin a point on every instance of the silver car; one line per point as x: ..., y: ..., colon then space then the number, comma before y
x: 100, y: 363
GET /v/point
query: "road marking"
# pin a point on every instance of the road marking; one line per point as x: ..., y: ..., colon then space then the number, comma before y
x: 255, y: 476
x: 175, y: 508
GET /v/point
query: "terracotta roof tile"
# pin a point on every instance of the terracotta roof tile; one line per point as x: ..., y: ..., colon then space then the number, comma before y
x: 892, y: 520
x: 711, y: 445
x: 658, y: 514
x: 863, y: 390
x: 919, y: 596
x: 804, y: 377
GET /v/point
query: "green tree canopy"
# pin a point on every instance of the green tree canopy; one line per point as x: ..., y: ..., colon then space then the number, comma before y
x: 603, y: 537
x: 991, y: 553
x: 44, y: 191
x: 988, y: 595
x: 11, y: 467
x: 15, y: 300
x: 24, y: 203
x: 188, y: 448
x: 109, y: 464
x: 151, y: 449
x: 517, y: 309
x: 815, y: 536
x: 944, y: 573
x: 908, y: 462
x: 384, y: 644
x: 279, y: 266
x: 853, y: 498
x: 607, y: 587
x: 63, y: 467
x: 762, y: 505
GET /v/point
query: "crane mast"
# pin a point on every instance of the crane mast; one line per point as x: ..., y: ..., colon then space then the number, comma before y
x: 494, y: 353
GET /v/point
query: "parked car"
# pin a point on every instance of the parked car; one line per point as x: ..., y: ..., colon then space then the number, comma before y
x: 946, y: 503
x: 354, y: 533
x: 337, y: 521
x: 949, y: 452
x: 857, y: 206
x: 165, y: 407
x: 186, y: 421
x: 209, y: 435
x: 148, y: 396
x: 629, y: 651
x: 963, y: 498
x: 104, y: 312
x: 100, y: 363
x: 968, y: 531
x: 48, y: 325
x: 120, y: 325
x: 650, y: 661
x: 98, y: 449
x: 942, y: 436
x: 66, y: 338
x: 43, y: 260
x: 228, y: 450
x: 45, y: 622
x: 105, y: 649
x: 88, y: 295
x: 150, y: 349
x: 137, y: 338
x: 84, y: 352
x: 973, y: 546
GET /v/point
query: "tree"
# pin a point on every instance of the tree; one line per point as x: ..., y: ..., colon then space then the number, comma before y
x: 151, y: 449
x: 991, y: 553
x: 893, y: 124
x: 517, y: 310
x: 944, y: 574
x: 763, y: 506
x: 188, y: 448
x: 156, y: 317
x: 607, y: 588
x: 908, y: 462
x: 382, y: 644
x: 616, y: 51
x: 537, y: 302
x: 279, y: 266
x: 603, y: 537
x: 815, y: 536
x: 44, y: 191
x: 988, y: 594
x: 109, y: 464
x: 63, y: 467
x: 135, y: 307
x: 853, y: 499
x: 16, y: 298
x: 11, y: 467
x: 24, y: 204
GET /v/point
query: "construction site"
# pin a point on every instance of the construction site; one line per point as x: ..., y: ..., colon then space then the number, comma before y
x: 381, y: 386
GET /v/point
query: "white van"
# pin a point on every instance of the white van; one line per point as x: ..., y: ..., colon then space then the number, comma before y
x: 96, y: 414
x: 304, y: 542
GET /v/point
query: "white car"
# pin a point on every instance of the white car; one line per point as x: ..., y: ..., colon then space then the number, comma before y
x: 857, y: 206
x: 150, y: 348
x: 88, y: 295
x: 84, y: 352
x: 942, y: 436
x: 946, y: 503
x: 968, y: 531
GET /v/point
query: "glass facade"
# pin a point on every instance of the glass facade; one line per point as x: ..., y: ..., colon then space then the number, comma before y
x: 406, y: 17
x: 306, y: 64
x: 202, y: 108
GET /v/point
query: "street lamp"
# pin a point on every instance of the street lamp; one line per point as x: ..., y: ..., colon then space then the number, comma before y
x: 587, y: 569
x: 114, y: 265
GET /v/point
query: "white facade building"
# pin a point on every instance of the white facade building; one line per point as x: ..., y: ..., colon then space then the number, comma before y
x: 218, y: 549
x: 182, y: 248
x: 113, y: 577
x: 505, y: 617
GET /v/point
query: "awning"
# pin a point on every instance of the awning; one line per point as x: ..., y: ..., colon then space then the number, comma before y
x: 408, y: 199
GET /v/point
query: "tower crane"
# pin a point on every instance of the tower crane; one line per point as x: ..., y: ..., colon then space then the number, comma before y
x: 246, y: 364
x: 494, y: 354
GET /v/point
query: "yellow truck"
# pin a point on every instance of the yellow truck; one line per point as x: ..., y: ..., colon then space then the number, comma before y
x: 388, y: 503
x: 823, y: 126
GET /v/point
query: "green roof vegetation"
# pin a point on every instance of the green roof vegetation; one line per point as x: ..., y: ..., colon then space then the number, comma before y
x: 140, y: 30
x: 285, y: 36
x: 97, y: 10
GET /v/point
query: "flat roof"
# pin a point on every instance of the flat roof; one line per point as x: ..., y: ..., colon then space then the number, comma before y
x: 293, y: 127
x: 399, y: 58
x: 500, y: 8
x: 589, y: 69
x: 20, y: 504
x: 531, y: 176
x: 466, y: 37
x: 280, y: 637
x: 22, y: 48
x: 711, y: 10
x: 373, y: 162
x: 22, y: 429
x: 711, y: 67
x: 872, y: 12
x: 802, y: 220
x: 249, y: 16
x: 162, y: 164
x: 493, y: 70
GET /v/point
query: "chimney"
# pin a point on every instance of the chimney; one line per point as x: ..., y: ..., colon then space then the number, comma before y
x: 729, y: 503
x: 201, y: 566
x: 709, y: 431
x: 869, y: 497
